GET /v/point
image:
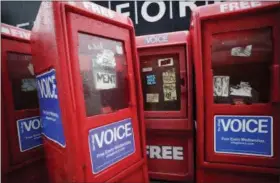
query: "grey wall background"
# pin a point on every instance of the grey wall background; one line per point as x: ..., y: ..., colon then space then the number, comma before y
x: 149, y: 17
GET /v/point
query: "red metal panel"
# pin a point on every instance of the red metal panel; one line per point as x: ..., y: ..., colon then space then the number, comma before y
x: 169, y: 132
x: 210, y: 28
x: 15, y: 106
x: 58, y: 29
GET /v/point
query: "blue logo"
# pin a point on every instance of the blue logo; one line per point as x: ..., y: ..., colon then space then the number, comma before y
x: 247, y: 135
x: 151, y: 79
x: 29, y: 133
x: 110, y: 144
x: 49, y: 108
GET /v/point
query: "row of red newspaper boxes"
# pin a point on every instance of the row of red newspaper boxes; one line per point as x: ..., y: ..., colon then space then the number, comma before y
x: 200, y: 105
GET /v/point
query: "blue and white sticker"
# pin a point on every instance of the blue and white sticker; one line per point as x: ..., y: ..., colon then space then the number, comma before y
x: 245, y: 135
x: 49, y: 108
x: 151, y: 79
x: 29, y: 133
x: 110, y: 144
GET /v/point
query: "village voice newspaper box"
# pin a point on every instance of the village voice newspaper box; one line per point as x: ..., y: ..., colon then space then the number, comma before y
x: 21, y: 143
x: 236, y: 57
x: 84, y: 58
x: 166, y: 80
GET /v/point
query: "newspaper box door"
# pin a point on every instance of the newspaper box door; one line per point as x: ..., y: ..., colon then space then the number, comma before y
x: 105, y: 94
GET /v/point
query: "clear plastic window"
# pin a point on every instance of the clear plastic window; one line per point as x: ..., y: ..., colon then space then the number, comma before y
x: 241, y: 64
x: 21, y: 74
x: 103, y: 69
x: 161, y: 82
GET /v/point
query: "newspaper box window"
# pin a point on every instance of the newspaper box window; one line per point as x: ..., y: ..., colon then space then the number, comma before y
x: 23, y: 81
x: 241, y: 63
x: 103, y: 69
x: 161, y: 84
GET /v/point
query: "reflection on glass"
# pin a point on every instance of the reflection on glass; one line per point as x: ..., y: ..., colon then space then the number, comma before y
x: 241, y: 64
x: 21, y: 73
x: 103, y: 69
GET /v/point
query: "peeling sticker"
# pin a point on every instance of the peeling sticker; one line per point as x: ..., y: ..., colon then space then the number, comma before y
x: 151, y: 79
x: 152, y: 97
x: 169, y: 85
x: 169, y: 76
x: 106, y: 58
x: 169, y: 91
x: 147, y: 69
x: 243, y: 89
x: 221, y: 86
x: 31, y: 69
x: 242, y: 52
x: 164, y: 62
x: 104, y: 70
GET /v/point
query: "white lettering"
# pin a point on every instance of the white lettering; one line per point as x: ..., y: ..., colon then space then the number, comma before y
x: 248, y: 126
x: 178, y: 153
x: 47, y: 87
x: 235, y: 6
x: 262, y: 126
x: 98, y: 140
x: 239, y: 125
x: 225, y: 125
x: 98, y: 9
x: 244, y: 125
x: 32, y: 124
x: 155, y: 18
x: 255, y: 3
x: 165, y: 152
x: 128, y: 129
x: 112, y: 135
x: 118, y: 133
x: 223, y: 7
x: 244, y: 5
x: 109, y: 138
x: 155, y: 152
x: 162, y: 38
x: 122, y: 6
x: 183, y: 9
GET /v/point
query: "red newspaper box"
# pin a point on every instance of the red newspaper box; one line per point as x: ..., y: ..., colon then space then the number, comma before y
x: 236, y: 57
x: 166, y: 80
x: 93, y: 129
x: 21, y: 153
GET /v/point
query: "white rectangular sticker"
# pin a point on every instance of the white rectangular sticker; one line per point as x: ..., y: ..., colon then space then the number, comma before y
x: 164, y: 62
x: 105, y: 80
x: 152, y: 97
x: 147, y: 69
x: 241, y: 51
x: 169, y: 76
x: 169, y: 91
x: 106, y: 59
x: 221, y: 86
x: 169, y: 85
x: 243, y: 89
